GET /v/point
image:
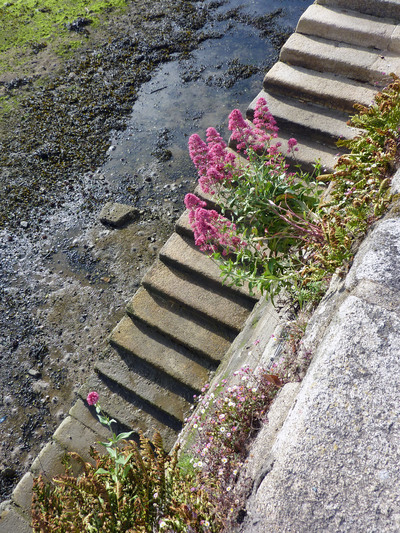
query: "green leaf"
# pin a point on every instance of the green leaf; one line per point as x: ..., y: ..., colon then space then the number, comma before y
x: 125, y: 471
x: 125, y: 435
x: 122, y: 460
x: 112, y: 452
x: 101, y: 471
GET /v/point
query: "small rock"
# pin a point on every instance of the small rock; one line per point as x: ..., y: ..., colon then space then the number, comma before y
x: 40, y: 386
x: 117, y: 215
x: 153, y: 248
x: 60, y: 415
x: 79, y: 24
x: 34, y: 373
x: 24, y: 224
x: 8, y: 473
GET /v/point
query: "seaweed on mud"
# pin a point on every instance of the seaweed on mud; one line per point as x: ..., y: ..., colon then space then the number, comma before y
x: 66, y: 120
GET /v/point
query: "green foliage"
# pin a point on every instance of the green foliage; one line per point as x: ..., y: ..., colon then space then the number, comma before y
x: 277, y: 217
x: 292, y: 236
x: 26, y: 22
x: 30, y: 26
x: 274, y: 213
x: 360, y: 185
x: 150, y: 493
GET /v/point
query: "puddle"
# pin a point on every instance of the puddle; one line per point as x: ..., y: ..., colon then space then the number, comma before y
x: 188, y: 96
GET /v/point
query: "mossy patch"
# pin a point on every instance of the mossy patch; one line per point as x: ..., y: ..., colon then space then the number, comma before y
x: 30, y: 26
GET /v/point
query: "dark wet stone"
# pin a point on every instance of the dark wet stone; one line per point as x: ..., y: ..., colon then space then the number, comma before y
x: 79, y: 24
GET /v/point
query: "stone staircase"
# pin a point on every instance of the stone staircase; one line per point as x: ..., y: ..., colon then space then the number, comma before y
x: 176, y: 330
x: 341, y: 53
x: 181, y: 322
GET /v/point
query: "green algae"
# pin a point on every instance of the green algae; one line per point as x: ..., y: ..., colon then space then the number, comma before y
x: 29, y: 26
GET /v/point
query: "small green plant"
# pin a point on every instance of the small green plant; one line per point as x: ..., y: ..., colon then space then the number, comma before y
x: 137, y: 489
x: 226, y: 420
x: 360, y: 185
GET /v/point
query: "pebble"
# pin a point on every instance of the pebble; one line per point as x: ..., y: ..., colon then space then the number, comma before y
x: 34, y: 373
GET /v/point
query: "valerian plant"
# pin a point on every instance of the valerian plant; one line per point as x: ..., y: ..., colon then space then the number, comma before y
x: 275, y: 230
x: 266, y: 210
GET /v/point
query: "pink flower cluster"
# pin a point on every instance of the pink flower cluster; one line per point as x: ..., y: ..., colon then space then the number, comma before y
x: 217, y: 166
x: 92, y: 398
x: 225, y: 420
x: 211, y: 159
x: 211, y: 230
x: 291, y: 145
x: 257, y: 136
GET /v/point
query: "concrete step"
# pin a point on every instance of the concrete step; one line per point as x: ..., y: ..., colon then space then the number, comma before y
x: 357, y: 63
x: 182, y: 225
x: 179, y: 324
x: 209, y: 198
x: 350, y: 27
x: 304, y: 119
x: 327, y: 89
x: 183, y: 254
x: 309, y: 152
x: 124, y: 372
x: 377, y: 8
x: 130, y: 411
x: 214, y: 304
x: 161, y: 355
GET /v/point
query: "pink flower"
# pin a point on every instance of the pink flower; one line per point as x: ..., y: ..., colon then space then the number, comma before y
x: 198, y: 153
x: 211, y: 160
x: 192, y: 201
x: 291, y: 143
x: 263, y: 117
x: 211, y: 230
x: 236, y: 121
x: 92, y: 398
x: 213, y: 137
x: 257, y: 136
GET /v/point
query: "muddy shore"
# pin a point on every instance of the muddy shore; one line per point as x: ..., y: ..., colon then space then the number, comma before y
x: 65, y: 278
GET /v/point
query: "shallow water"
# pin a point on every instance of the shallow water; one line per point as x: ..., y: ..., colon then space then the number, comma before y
x: 188, y: 96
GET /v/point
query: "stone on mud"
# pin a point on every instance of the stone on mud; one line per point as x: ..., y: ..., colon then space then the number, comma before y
x: 117, y: 215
